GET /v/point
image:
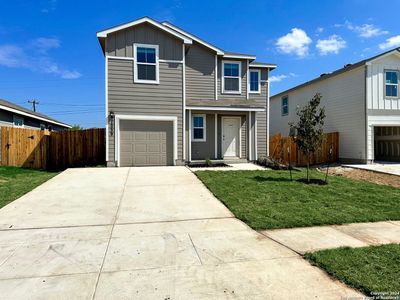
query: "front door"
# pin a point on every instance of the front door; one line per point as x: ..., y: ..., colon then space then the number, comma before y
x: 230, y: 136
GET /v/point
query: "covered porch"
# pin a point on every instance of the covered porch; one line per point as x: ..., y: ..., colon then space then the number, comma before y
x: 221, y: 135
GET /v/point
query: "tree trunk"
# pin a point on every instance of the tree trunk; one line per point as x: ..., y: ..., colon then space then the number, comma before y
x: 308, y: 166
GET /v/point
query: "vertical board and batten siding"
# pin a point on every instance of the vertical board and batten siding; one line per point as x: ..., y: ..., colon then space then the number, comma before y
x: 243, y: 76
x: 343, y: 97
x: 382, y: 110
x: 128, y: 98
x: 121, y: 42
x: 200, y: 69
x: 262, y: 140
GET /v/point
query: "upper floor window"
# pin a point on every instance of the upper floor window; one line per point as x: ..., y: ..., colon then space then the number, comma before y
x: 146, y: 63
x: 392, y: 83
x: 231, y: 80
x: 254, y: 81
x: 18, y: 121
x: 199, y: 128
x: 285, y: 105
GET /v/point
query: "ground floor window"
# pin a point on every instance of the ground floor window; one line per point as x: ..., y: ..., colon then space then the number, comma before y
x: 199, y: 128
x: 18, y: 121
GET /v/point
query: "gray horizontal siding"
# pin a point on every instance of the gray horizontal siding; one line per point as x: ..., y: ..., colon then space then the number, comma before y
x: 121, y: 42
x: 204, y: 150
x: 127, y: 97
x: 200, y: 77
x: 261, y: 117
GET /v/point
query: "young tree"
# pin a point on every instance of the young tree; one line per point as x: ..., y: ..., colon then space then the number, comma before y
x: 308, y: 132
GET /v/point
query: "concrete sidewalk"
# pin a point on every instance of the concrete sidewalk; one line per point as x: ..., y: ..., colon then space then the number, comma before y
x: 310, y: 239
x: 386, y: 168
x: 143, y: 233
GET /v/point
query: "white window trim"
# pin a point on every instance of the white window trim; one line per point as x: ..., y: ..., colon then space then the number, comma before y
x: 157, y: 64
x: 396, y: 84
x: 259, y: 82
x: 285, y: 114
x: 21, y: 118
x: 204, y: 127
x: 239, y: 92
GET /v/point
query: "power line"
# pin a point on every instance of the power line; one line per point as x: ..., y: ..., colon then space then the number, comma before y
x: 34, y: 103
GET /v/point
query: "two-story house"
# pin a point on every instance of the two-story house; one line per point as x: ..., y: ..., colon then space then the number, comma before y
x: 361, y: 102
x: 173, y: 98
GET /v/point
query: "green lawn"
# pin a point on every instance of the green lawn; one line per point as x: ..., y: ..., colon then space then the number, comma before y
x: 371, y: 270
x: 268, y: 199
x: 15, y: 182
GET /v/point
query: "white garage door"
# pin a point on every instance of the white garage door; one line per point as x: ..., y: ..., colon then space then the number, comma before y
x: 146, y: 143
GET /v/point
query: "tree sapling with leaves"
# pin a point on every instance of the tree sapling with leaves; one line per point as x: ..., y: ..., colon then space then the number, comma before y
x: 308, y: 132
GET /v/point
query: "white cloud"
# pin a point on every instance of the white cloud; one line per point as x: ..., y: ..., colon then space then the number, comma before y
x: 333, y: 44
x: 320, y: 29
x: 369, y: 30
x: 392, y: 42
x: 295, y: 42
x: 279, y: 78
x: 14, y: 56
x: 43, y: 44
x: 364, y: 30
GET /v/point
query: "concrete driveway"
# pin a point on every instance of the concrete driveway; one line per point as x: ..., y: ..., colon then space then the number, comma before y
x: 143, y: 233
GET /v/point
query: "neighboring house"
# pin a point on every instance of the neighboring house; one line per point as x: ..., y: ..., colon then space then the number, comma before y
x: 13, y: 115
x: 362, y: 103
x: 173, y: 98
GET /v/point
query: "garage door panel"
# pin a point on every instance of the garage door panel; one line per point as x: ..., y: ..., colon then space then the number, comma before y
x: 155, y: 148
x: 140, y: 136
x: 146, y: 143
x: 126, y: 147
x: 126, y: 136
x: 140, y: 147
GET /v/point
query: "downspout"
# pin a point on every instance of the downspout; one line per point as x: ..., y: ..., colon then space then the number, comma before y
x: 366, y: 114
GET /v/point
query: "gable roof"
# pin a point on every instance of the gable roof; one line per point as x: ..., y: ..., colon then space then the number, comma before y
x: 101, y: 35
x: 185, y: 36
x: 346, y: 68
x: 193, y: 37
x: 9, y: 106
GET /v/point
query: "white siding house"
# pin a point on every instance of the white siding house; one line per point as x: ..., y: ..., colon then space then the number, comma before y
x: 356, y: 105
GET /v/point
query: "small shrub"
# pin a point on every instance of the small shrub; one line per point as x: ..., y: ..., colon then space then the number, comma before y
x: 209, y: 163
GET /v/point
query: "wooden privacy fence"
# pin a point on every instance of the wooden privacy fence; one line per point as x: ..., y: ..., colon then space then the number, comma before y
x: 279, y: 145
x: 42, y: 149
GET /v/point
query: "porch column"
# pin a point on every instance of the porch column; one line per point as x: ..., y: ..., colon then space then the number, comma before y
x: 216, y: 136
x: 190, y: 136
x: 249, y: 126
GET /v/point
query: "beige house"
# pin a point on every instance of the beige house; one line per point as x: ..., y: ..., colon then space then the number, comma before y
x: 362, y: 103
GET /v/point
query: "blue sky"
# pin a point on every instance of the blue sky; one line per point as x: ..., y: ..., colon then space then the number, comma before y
x: 49, y: 50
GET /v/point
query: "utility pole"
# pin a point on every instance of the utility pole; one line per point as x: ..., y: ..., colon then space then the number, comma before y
x: 34, y: 103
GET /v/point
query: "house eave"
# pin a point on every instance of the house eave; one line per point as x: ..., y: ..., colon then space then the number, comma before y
x: 225, y: 108
x: 104, y: 33
x: 16, y: 111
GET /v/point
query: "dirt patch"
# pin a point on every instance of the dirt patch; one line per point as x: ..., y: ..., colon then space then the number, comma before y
x: 379, y: 178
x: 214, y: 165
